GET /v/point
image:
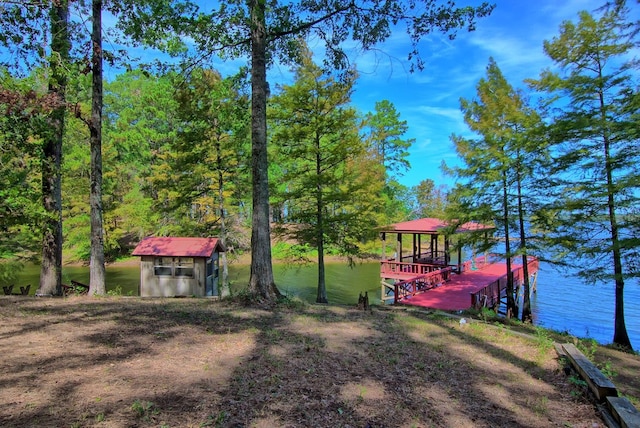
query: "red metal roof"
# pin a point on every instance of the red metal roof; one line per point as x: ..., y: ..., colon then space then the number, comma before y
x: 432, y: 226
x: 165, y: 246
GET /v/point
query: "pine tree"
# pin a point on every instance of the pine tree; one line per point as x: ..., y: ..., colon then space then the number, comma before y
x: 594, y: 131
x: 317, y: 133
x: 385, y: 137
x: 497, y: 165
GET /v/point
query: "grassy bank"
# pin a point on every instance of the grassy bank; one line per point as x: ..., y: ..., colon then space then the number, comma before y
x: 113, y: 362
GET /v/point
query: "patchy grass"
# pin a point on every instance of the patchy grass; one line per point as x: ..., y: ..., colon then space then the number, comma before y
x: 114, y: 362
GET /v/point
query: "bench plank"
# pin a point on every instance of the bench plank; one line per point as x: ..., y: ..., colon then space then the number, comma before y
x: 600, y: 385
x: 624, y: 412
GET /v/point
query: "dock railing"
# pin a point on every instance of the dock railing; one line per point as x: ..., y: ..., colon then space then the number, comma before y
x: 481, y: 261
x: 394, y: 267
x: 410, y: 287
x: 489, y: 296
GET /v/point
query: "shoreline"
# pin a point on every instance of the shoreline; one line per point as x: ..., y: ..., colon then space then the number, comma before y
x: 241, y: 260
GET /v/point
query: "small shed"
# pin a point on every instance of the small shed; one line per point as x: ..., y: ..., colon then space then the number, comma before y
x: 179, y: 266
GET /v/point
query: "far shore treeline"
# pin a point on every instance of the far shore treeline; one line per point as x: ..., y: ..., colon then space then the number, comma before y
x: 89, y: 166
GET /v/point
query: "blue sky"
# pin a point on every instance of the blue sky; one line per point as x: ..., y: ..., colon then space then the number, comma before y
x: 430, y: 100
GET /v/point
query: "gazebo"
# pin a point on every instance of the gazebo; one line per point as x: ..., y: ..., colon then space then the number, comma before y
x: 430, y: 249
x: 435, y: 251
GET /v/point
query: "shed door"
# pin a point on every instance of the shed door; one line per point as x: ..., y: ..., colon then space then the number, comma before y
x: 211, y: 287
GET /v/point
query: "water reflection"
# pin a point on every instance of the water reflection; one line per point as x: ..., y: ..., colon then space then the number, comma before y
x: 343, y: 283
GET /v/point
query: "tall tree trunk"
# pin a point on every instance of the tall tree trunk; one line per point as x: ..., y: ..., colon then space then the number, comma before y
x: 526, y: 298
x: 512, y: 309
x: 97, y: 269
x: 322, y: 287
x: 620, y: 335
x: 224, y: 281
x: 51, y: 267
x: 261, y: 281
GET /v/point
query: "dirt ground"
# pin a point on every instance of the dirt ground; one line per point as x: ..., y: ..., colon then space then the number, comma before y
x: 132, y: 362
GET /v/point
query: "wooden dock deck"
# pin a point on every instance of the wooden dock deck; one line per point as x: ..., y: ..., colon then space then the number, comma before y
x: 456, y: 293
x: 427, y: 273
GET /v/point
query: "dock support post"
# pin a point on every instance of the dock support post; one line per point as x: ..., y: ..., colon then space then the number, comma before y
x: 534, y: 283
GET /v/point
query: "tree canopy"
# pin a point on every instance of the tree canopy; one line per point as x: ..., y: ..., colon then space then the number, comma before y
x: 592, y: 215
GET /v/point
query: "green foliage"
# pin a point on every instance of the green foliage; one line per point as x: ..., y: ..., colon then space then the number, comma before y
x: 9, y: 271
x: 212, y: 144
x: 577, y: 381
x: 243, y: 297
x: 333, y: 23
x: 173, y: 163
x: 294, y: 253
x: 316, y: 135
x: 487, y: 314
x: 588, y: 347
x: 117, y: 291
x: 278, y: 31
x: 592, y: 208
x: 145, y: 410
x: 430, y: 200
x: 544, y: 340
x: 607, y: 369
x: 595, y: 141
x: 394, y: 202
x: 21, y: 125
x: 497, y: 166
x: 385, y: 131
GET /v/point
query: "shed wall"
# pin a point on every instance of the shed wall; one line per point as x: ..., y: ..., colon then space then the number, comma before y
x: 152, y: 285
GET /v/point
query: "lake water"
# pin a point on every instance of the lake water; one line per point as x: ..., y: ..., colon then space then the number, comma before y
x: 562, y: 302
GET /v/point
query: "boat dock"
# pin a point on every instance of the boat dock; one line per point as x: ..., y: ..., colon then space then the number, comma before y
x: 430, y: 277
x: 483, y: 287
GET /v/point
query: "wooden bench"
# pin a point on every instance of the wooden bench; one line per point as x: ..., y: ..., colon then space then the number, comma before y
x: 619, y: 411
x: 598, y: 383
x: 8, y: 290
x: 623, y: 412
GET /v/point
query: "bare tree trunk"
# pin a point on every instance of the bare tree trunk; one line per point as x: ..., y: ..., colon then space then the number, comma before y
x: 526, y: 298
x: 261, y: 281
x: 97, y: 269
x: 512, y: 309
x: 322, y: 286
x: 224, y: 280
x: 620, y: 335
x: 51, y: 268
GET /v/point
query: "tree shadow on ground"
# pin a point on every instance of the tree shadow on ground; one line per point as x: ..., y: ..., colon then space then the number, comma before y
x: 194, y: 362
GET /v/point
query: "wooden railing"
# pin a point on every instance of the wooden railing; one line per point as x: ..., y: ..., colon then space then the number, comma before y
x: 410, y: 287
x: 481, y: 261
x: 391, y: 266
x: 489, y: 296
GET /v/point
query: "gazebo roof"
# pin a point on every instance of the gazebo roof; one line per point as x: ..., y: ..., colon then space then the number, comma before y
x: 433, y: 226
x: 166, y: 246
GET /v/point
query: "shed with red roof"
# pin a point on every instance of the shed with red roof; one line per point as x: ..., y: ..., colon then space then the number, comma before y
x: 179, y: 266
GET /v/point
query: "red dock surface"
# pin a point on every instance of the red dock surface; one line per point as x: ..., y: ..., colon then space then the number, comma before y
x: 455, y: 295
